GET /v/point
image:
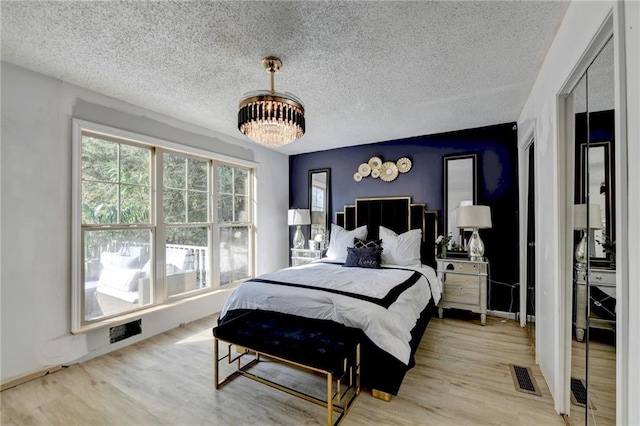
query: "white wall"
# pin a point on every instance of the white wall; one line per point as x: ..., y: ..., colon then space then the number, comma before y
x: 36, y: 216
x: 578, y: 28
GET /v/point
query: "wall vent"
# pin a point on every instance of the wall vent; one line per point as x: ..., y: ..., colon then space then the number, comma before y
x: 579, y: 393
x: 523, y: 380
x: 124, y: 331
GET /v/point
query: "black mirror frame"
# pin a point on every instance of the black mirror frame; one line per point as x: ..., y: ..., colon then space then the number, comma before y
x: 445, y: 204
x: 609, y: 171
x: 326, y: 170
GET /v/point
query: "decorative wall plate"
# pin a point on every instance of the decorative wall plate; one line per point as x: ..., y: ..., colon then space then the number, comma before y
x: 375, y: 163
x: 364, y: 169
x: 404, y: 165
x: 388, y: 171
x: 357, y: 177
x: 375, y: 173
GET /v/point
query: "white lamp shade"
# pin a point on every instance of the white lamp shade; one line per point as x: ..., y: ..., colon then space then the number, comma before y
x: 580, y: 217
x: 473, y: 217
x: 299, y: 217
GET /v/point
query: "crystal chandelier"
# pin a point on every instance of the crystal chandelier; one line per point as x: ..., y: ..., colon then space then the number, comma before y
x: 271, y: 118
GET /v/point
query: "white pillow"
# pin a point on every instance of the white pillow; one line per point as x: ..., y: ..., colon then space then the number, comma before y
x: 125, y: 279
x: 341, y: 239
x: 403, y: 249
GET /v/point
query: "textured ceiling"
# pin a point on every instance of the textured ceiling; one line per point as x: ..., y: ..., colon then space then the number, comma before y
x: 366, y: 71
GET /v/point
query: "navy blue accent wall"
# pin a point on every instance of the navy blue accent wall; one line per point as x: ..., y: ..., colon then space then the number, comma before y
x: 496, y: 147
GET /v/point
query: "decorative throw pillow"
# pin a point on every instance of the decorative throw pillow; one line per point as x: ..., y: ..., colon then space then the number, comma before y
x: 363, y: 257
x: 341, y: 239
x: 403, y: 249
x: 358, y: 243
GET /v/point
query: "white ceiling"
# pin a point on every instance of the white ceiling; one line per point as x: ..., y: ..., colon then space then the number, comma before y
x: 366, y: 71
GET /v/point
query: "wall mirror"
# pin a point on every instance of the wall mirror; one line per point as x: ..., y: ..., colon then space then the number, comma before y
x: 320, y: 205
x: 593, y: 297
x: 460, y: 188
x: 598, y: 162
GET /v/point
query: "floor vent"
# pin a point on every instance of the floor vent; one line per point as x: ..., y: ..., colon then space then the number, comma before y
x: 523, y: 380
x: 578, y: 392
x: 123, y: 331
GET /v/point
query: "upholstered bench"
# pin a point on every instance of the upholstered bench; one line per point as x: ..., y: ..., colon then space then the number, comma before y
x: 320, y: 346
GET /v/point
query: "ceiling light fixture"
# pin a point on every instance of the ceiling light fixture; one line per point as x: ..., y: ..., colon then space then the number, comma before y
x: 271, y: 118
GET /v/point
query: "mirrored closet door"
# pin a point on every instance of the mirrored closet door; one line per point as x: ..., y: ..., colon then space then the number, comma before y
x: 593, y: 370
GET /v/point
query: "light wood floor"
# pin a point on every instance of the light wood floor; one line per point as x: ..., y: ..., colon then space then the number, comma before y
x: 461, y: 378
x: 602, y: 382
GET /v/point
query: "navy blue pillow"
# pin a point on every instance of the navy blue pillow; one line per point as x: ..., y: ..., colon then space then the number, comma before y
x: 363, y: 257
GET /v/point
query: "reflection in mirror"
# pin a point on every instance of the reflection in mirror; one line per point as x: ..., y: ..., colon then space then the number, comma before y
x: 319, y: 198
x: 599, y: 171
x: 578, y: 383
x: 593, y: 367
x: 600, y: 278
x: 459, y: 190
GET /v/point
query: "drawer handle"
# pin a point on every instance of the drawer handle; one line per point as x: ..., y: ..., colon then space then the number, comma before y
x: 598, y: 277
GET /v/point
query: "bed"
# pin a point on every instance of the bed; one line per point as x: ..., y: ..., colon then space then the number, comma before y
x: 389, y: 306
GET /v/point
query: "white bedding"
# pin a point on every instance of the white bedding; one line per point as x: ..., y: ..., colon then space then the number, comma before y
x: 388, y: 328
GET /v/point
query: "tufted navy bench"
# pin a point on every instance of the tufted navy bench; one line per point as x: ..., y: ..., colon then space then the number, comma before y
x: 320, y: 346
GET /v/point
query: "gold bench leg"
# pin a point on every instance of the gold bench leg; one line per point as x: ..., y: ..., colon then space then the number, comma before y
x: 343, y: 401
x: 215, y: 361
x: 329, y: 399
x: 381, y: 395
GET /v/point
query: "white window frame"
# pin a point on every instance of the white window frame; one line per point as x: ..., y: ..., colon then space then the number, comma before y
x: 159, y: 146
x: 250, y: 222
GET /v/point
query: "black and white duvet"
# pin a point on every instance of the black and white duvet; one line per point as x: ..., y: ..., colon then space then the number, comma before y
x: 384, y: 303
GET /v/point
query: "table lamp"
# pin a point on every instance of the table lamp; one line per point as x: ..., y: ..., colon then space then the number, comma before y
x: 299, y: 217
x: 580, y: 224
x: 474, y: 217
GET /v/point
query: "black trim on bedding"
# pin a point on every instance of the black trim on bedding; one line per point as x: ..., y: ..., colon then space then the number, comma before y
x: 407, y: 269
x: 385, y: 302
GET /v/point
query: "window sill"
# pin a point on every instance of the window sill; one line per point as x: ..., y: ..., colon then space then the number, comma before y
x: 125, y: 317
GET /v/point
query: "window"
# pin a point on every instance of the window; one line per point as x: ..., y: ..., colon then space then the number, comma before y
x: 234, y: 222
x: 185, y: 192
x: 145, y: 232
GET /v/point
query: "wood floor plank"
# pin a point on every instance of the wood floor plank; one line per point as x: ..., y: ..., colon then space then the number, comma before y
x: 462, y: 377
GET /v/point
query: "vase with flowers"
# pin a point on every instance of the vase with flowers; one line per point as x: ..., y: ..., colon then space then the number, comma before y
x: 609, y: 248
x: 443, y: 242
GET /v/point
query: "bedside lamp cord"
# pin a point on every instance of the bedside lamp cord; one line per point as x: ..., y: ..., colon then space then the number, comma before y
x: 512, y: 286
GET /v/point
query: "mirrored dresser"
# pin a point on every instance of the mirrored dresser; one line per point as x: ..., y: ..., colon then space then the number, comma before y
x: 304, y: 256
x: 602, y: 283
x: 465, y: 286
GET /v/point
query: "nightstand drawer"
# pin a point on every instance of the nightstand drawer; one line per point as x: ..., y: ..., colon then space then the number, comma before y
x: 465, y: 267
x: 598, y: 277
x: 304, y: 256
x: 458, y: 289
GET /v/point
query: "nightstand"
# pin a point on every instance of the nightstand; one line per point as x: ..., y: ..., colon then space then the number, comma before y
x: 465, y: 286
x: 605, y: 280
x: 304, y: 256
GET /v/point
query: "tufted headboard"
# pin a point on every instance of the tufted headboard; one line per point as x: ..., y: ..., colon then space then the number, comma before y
x: 396, y: 213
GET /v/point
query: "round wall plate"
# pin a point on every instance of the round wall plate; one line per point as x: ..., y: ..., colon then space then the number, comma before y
x: 357, y: 177
x: 388, y: 171
x: 404, y: 165
x: 375, y: 163
x: 364, y: 169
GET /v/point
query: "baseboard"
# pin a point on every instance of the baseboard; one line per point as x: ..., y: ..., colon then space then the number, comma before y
x: 503, y: 314
x: 27, y: 378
